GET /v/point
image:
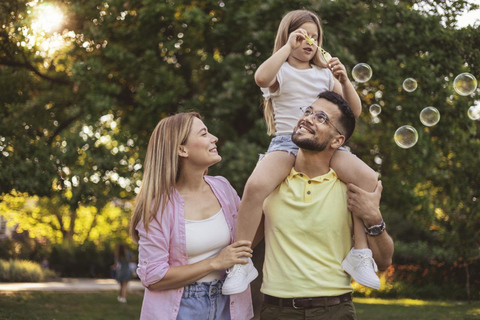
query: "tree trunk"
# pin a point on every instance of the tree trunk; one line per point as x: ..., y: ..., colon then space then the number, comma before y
x: 92, y: 225
x: 58, y: 215
x: 71, y: 226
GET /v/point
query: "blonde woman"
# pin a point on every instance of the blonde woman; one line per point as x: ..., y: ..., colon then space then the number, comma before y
x: 184, y: 223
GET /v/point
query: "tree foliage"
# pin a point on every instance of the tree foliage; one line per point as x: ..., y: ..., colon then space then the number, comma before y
x: 47, y: 219
x: 76, y: 119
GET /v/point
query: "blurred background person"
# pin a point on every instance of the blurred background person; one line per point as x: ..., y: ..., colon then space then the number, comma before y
x: 123, y: 270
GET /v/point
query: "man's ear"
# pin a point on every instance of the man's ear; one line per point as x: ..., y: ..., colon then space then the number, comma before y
x: 183, y: 151
x: 337, y: 141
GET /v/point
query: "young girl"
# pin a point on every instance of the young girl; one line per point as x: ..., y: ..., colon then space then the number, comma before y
x: 291, y: 79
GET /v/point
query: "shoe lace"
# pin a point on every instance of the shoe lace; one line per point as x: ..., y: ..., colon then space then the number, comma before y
x: 367, y: 261
x: 231, y: 271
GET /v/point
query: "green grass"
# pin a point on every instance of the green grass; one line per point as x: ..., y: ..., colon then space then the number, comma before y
x: 67, y: 305
x: 104, y: 305
x: 396, y: 309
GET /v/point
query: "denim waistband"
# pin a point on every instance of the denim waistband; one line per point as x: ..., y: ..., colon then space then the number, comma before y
x: 201, y: 289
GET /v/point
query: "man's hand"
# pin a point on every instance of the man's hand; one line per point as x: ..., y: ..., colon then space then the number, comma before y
x: 365, y: 205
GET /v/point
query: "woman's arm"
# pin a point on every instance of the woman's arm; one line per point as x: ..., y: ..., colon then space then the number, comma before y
x: 180, y: 276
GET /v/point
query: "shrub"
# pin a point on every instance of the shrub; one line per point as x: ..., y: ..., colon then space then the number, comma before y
x: 22, y: 247
x: 67, y: 259
x: 4, y: 267
x: 88, y: 260
x: 20, y: 271
x: 419, y: 282
x: 49, y: 274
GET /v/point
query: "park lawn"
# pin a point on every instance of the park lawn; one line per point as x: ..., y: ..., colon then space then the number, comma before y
x: 104, y: 305
x: 101, y: 305
x: 396, y: 309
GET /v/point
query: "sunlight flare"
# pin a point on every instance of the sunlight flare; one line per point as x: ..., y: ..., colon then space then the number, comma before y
x: 48, y: 18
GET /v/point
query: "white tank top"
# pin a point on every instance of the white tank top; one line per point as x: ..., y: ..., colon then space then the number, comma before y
x: 297, y: 88
x: 205, y: 239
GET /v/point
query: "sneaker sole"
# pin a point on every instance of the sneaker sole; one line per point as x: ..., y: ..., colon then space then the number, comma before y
x: 251, y: 276
x: 350, y: 270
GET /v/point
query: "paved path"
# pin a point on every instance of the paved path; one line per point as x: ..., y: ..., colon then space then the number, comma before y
x: 70, y: 284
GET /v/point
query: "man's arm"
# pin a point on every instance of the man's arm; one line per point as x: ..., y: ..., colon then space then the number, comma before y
x: 366, y: 206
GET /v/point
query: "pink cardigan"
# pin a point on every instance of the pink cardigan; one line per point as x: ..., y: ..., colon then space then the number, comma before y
x: 165, y: 246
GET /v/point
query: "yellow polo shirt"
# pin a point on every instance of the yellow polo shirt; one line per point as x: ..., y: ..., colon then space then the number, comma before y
x: 308, y: 232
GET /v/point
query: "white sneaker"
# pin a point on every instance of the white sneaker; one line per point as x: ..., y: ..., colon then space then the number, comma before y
x: 362, y: 267
x: 239, y: 277
x: 122, y: 299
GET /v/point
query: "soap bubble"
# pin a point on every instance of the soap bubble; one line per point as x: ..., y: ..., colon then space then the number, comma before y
x: 362, y: 72
x: 410, y: 84
x: 474, y: 112
x: 375, y: 109
x: 465, y: 84
x: 406, y: 137
x: 429, y: 116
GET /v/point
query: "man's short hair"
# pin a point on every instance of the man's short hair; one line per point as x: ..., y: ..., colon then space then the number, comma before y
x: 347, y: 119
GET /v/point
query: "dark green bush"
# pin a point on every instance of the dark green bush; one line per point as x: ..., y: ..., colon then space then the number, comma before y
x: 22, y: 247
x: 67, y: 260
x: 432, y: 281
x: 88, y: 260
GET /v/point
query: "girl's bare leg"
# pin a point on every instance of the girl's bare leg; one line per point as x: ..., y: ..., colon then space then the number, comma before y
x: 350, y: 169
x: 359, y: 262
x: 266, y: 176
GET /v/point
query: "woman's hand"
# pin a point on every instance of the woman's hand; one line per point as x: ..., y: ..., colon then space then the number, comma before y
x: 233, y: 254
x: 338, y: 70
x: 296, y: 38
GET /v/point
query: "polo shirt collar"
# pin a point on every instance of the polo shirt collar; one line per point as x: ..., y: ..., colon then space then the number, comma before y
x: 330, y: 175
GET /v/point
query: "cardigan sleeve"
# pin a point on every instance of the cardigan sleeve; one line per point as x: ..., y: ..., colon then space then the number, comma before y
x: 153, y: 252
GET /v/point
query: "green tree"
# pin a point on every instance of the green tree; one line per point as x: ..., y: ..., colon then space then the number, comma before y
x: 76, y: 118
x: 431, y: 189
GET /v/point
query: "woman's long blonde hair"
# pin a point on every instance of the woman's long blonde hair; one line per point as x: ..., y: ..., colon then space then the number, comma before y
x: 291, y: 22
x: 161, y: 168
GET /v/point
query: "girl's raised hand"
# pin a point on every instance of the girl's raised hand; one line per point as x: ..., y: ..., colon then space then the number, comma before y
x: 296, y: 38
x: 338, y: 70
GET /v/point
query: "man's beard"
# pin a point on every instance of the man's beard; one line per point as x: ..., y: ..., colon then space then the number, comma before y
x: 309, y: 144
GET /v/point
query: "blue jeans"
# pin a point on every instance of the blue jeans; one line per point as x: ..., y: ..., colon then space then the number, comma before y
x: 204, y: 301
x: 285, y: 143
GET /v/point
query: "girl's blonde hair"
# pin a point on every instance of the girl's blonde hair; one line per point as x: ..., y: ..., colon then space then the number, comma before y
x: 291, y: 22
x: 161, y: 168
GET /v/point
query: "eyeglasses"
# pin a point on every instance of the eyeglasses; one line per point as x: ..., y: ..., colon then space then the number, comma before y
x: 320, y: 117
